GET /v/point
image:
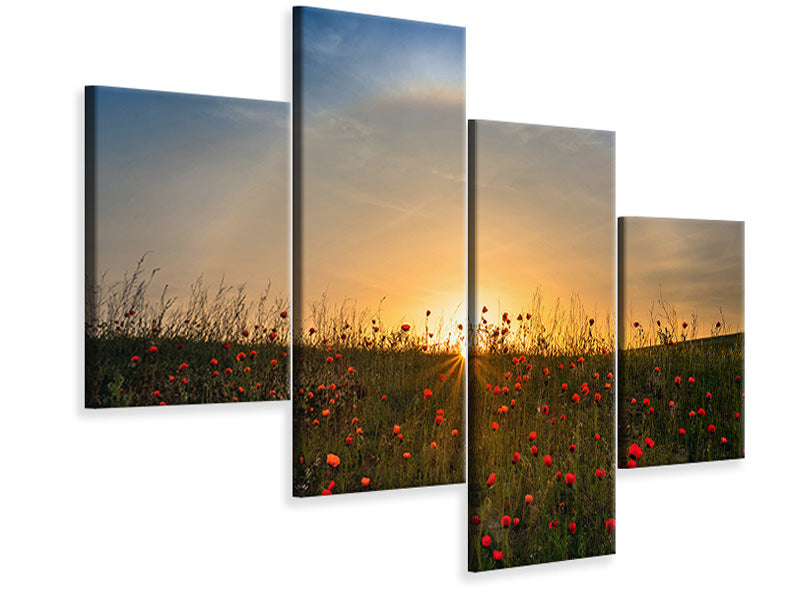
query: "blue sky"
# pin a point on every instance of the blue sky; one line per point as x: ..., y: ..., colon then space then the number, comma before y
x: 199, y: 181
x: 545, y: 217
x: 383, y: 142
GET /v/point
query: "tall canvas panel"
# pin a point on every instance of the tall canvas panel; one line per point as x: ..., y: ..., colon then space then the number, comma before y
x: 541, y: 352
x: 681, y: 359
x: 187, y: 248
x: 379, y: 253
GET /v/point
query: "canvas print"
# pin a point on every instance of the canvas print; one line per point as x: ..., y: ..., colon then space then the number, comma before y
x: 681, y: 359
x: 541, y: 344
x: 187, y: 249
x: 379, y: 253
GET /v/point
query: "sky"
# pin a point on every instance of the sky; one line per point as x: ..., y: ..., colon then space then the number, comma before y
x: 200, y: 182
x: 544, y: 218
x: 383, y: 146
x: 695, y: 265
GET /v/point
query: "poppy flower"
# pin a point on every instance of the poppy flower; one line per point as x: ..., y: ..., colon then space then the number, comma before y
x: 326, y: 492
x: 564, y: 387
x: 532, y: 436
x: 572, y: 527
x: 692, y: 414
x: 575, y: 397
x: 534, y: 450
x: 553, y: 524
x: 677, y: 381
x: 427, y: 394
x: 571, y: 448
x: 596, y: 437
x: 528, y: 498
x: 495, y: 425
x: 635, y: 324
x: 545, y: 409
x: 656, y: 369
x: 681, y: 431
x: 439, y: 419
x: 486, y: 541
x: 475, y: 520
x: 406, y: 454
x: 548, y: 460
x: 600, y: 473
x: 365, y: 481
x: 723, y: 440
x: 685, y: 324
x: 633, y: 400
x: 505, y: 521
x: 650, y: 443
x: 348, y: 440
x: 611, y: 525
x: 738, y: 379
x: 405, y: 327
x: 671, y: 403
x: 597, y: 397
x: 711, y: 429
x: 515, y: 458
x: 135, y: 359
x: 396, y: 429
x: 491, y: 480
x: 701, y: 412
x: 631, y: 463
x: 736, y: 416
x: 333, y: 460
x: 157, y: 394
x: 454, y: 433
x: 591, y: 322
x: 569, y: 478
x: 153, y: 349
x: 497, y: 555
x: 635, y: 451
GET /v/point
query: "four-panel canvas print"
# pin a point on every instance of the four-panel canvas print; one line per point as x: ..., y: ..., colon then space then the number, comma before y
x: 541, y: 352
x: 379, y: 253
x: 681, y: 360
x: 187, y: 248
x: 414, y: 285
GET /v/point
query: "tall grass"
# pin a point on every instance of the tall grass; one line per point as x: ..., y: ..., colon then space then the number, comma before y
x: 541, y: 391
x: 386, y: 402
x: 141, y: 351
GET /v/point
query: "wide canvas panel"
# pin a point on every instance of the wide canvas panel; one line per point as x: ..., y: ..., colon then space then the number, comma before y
x: 681, y: 359
x: 379, y: 253
x: 541, y: 344
x: 187, y: 248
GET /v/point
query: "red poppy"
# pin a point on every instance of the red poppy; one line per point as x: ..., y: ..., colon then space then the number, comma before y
x: 528, y: 498
x: 475, y: 520
x: 505, y: 521
x: 532, y: 436
x: 656, y: 369
x: 677, y: 381
x: 495, y: 425
x: 600, y: 473
x: 153, y: 349
x: 681, y: 431
x: 575, y: 397
x: 497, y: 555
x: 553, y: 524
x: 405, y: 327
x: 491, y: 480
x: 427, y: 394
x: 711, y: 429
x: 406, y: 454
x: 685, y: 324
x: 572, y: 527
x: 591, y: 322
x: 611, y: 525
x: 515, y: 458
x: 631, y: 463
x: 723, y: 440
x: 671, y: 403
x: 692, y: 414
x: 348, y: 440
x: 571, y: 448
x: 534, y: 450
x: 439, y: 419
x: 569, y: 478
x: 646, y: 402
x: 650, y: 443
x: 633, y: 400
x: 134, y: 359
x: 596, y: 437
x: 635, y: 451
x: 548, y: 460
x: 486, y: 541
x: 545, y: 409
x: 454, y: 433
x: 333, y: 460
x: 365, y: 481
x: 701, y: 412
x: 736, y: 416
x: 636, y: 324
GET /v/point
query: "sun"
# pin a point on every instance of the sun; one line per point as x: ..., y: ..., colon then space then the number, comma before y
x: 463, y: 350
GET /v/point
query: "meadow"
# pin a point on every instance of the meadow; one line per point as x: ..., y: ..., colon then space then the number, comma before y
x: 541, y: 440
x: 214, y: 347
x: 681, y: 396
x: 376, y: 408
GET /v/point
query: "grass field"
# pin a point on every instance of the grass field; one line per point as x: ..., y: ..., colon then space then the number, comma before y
x: 217, y: 347
x: 541, y: 450
x: 376, y: 409
x: 682, y: 402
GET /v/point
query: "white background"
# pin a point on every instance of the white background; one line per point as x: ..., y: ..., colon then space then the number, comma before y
x: 194, y: 502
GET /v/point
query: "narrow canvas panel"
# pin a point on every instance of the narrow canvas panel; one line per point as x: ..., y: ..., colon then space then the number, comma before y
x: 187, y: 252
x: 379, y: 253
x: 681, y: 359
x: 541, y: 360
